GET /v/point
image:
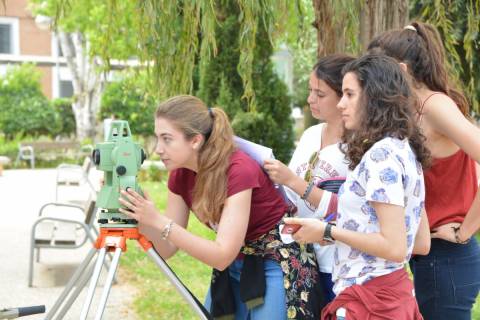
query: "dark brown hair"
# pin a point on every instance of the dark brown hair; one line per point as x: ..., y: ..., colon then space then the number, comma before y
x: 329, y: 69
x: 192, y: 117
x: 422, y: 50
x: 386, y: 109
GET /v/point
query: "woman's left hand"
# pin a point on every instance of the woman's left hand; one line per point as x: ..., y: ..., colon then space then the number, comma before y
x: 141, y: 208
x: 445, y: 232
x: 311, y: 230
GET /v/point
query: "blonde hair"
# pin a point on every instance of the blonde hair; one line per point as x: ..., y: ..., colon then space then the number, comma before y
x: 193, y: 117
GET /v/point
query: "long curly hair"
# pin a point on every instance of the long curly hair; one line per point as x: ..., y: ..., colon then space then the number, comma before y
x: 387, y: 106
x: 192, y: 117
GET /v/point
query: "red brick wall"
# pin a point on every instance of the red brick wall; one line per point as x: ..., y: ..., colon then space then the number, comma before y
x: 33, y: 41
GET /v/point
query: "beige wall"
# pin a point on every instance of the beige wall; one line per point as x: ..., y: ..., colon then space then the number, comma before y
x: 13, y: 8
x: 33, y: 41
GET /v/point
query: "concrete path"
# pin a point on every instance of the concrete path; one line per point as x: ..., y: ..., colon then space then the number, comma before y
x: 22, y: 193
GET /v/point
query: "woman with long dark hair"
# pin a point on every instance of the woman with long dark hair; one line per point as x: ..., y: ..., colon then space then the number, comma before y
x: 317, y: 156
x: 380, y: 220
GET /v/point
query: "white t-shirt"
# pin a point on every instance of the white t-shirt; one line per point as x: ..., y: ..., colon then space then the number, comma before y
x: 387, y: 173
x: 331, y: 164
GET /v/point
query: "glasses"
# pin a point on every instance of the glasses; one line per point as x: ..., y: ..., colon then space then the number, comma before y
x: 312, y: 163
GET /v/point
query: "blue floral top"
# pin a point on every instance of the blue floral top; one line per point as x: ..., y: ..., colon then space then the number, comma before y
x: 387, y: 173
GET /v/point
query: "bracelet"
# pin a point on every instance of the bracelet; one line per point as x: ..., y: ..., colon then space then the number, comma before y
x: 457, y: 238
x: 307, y: 191
x: 166, y: 230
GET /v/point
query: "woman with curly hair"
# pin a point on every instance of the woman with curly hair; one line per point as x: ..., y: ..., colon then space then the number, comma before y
x: 381, y: 219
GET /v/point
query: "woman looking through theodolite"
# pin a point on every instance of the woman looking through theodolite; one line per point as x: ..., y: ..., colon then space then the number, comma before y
x: 229, y: 192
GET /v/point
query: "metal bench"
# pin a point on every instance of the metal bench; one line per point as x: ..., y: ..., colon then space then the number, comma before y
x: 27, y: 151
x: 61, y: 231
x: 74, y: 175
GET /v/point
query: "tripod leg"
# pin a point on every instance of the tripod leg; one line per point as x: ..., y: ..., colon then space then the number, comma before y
x: 108, y: 283
x: 177, y: 284
x: 106, y: 262
x: 93, y: 283
x: 71, y: 299
x: 71, y: 283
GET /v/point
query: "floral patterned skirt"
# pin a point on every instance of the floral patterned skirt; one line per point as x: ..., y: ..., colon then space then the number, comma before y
x: 303, y: 289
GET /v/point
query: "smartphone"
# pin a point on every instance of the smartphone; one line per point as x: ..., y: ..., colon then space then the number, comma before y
x: 290, y: 228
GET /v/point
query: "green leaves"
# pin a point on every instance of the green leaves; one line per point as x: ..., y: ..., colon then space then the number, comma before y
x: 221, y: 85
x: 127, y: 100
x: 459, y: 24
x: 169, y: 37
x: 24, y: 110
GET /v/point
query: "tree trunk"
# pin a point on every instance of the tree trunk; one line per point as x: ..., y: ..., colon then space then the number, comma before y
x: 86, y: 80
x: 331, y: 22
x: 377, y: 16
x: 326, y: 31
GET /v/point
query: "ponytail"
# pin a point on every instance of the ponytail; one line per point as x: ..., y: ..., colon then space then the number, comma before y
x: 210, y: 190
x: 192, y: 117
x: 437, y: 79
x: 420, y: 46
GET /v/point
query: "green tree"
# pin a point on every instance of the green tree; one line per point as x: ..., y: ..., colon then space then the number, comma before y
x: 220, y: 84
x: 63, y: 108
x: 169, y: 37
x: 127, y: 100
x: 82, y: 34
x: 24, y: 110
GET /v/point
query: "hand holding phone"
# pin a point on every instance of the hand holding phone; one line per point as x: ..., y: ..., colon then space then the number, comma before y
x: 290, y: 228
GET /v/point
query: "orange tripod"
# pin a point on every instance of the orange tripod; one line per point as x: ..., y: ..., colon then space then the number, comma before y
x: 113, y: 240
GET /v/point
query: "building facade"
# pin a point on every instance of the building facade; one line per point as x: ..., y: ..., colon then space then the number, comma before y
x: 22, y: 40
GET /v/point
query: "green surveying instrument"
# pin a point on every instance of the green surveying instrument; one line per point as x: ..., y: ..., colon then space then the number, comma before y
x: 120, y: 158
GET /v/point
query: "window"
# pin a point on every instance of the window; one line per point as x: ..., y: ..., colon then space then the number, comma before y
x: 5, y: 38
x: 61, y: 82
x: 66, y: 88
x: 9, y: 37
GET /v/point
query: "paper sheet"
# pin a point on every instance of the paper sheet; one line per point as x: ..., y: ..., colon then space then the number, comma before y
x: 259, y: 153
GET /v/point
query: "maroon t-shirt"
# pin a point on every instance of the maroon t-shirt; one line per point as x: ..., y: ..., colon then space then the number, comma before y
x: 267, y: 206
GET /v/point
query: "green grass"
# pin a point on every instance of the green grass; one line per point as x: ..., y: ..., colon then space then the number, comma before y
x: 157, y: 298
x: 476, y: 310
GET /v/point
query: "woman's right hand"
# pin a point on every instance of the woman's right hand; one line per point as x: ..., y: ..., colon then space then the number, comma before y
x: 445, y: 232
x: 278, y: 172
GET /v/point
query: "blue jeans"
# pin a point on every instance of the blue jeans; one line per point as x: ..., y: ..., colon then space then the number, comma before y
x: 447, y: 280
x: 327, y: 286
x: 274, y: 305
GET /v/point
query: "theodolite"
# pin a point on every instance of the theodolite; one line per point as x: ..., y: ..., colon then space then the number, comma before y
x: 120, y: 158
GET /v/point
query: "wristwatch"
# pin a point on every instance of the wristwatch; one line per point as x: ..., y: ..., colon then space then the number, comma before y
x: 327, y: 235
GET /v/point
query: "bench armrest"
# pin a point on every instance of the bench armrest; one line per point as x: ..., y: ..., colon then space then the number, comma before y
x: 58, y: 204
x: 80, y: 224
